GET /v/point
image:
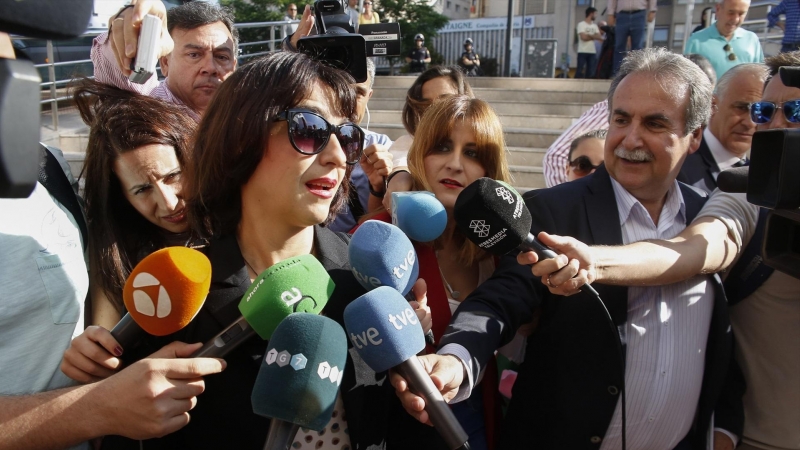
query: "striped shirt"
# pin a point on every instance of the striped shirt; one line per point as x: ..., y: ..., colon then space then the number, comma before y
x: 791, y: 9
x: 631, y: 5
x: 107, y: 72
x: 557, y: 156
x: 666, y: 335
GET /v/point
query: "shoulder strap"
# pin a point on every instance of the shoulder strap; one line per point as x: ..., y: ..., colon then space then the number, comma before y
x: 749, y: 272
x: 55, y: 176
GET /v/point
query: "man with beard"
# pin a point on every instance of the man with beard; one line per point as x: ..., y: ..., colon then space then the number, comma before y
x: 725, y: 43
x: 676, y: 341
x: 198, y: 52
x: 730, y: 130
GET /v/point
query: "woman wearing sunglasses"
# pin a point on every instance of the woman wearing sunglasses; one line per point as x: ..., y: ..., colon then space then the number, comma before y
x: 585, y: 154
x: 134, y: 205
x: 271, y: 161
x: 458, y: 140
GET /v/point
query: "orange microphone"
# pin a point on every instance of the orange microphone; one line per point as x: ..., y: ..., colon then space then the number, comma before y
x: 163, y: 293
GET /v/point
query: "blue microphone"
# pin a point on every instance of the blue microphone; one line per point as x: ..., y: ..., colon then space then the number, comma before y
x: 419, y: 214
x: 386, y: 333
x: 382, y: 255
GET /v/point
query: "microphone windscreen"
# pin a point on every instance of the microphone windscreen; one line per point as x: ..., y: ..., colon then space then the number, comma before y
x: 167, y: 288
x: 383, y: 328
x: 46, y: 19
x: 419, y: 214
x: 301, y: 371
x: 298, y: 284
x: 382, y: 255
x: 493, y: 215
x: 733, y: 180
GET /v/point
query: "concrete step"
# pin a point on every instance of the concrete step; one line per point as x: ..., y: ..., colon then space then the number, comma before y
x: 563, y: 109
x: 508, y: 120
x: 527, y: 177
x: 518, y: 95
x: 515, y: 137
x: 523, y: 156
x: 545, y: 84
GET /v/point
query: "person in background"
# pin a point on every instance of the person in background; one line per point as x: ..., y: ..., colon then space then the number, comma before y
x: 470, y: 61
x: 291, y: 14
x: 588, y: 34
x: 199, y: 49
x: 790, y: 26
x: 368, y: 16
x: 726, y: 43
x: 136, y: 152
x: 629, y: 18
x: 705, y: 19
x: 418, y: 57
x: 585, y: 154
x: 352, y: 10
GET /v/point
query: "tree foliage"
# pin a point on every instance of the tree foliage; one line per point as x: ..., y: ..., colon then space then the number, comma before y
x: 250, y: 11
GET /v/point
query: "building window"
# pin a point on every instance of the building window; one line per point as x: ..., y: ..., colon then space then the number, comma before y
x: 449, y: 3
x: 660, y: 36
x: 458, y: 7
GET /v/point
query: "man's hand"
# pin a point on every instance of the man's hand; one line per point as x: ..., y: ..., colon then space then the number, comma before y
x: 377, y: 165
x: 153, y: 397
x: 92, y: 356
x: 304, y: 27
x: 446, y: 372
x: 421, y: 308
x: 611, y: 20
x: 722, y: 441
x: 565, y: 274
x: 651, y: 16
x: 124, y: 32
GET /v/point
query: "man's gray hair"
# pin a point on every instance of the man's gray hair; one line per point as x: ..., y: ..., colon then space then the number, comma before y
x: 371, y: 72
x: 761, y: 71
x: 673, y: 71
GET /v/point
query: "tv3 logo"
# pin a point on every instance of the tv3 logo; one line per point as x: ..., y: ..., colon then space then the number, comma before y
x: 298, y: 302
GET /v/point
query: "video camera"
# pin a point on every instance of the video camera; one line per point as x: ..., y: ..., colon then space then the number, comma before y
x: 20, y: 86
x: 338, y: 45
x: 771, y: 181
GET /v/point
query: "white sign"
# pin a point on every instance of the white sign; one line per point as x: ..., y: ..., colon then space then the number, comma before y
x: 493, y: 23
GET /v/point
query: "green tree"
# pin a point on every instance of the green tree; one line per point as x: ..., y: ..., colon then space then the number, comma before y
x: 414, y: 16
x: 250, y: 11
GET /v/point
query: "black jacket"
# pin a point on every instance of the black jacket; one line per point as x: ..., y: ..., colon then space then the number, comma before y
x: 223, y: 417
x: 700, y: 169
x: 568, y: 385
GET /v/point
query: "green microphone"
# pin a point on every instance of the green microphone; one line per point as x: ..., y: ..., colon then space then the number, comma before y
x: 298, y: 284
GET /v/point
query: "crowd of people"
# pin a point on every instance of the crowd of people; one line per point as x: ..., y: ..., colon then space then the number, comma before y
x: 693, y: 342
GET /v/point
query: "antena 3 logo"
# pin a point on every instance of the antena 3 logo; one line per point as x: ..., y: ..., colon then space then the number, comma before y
x: 142, y: 300
x: 505, y: 194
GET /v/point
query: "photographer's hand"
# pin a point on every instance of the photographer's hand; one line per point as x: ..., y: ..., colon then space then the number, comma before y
x: 304, y: 27
x: 124, y: 31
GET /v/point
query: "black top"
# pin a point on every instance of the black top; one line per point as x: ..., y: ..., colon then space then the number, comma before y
x: 418, y: 57
x: 471, y: 56
x: 223, y: 417
x: 700, y: 169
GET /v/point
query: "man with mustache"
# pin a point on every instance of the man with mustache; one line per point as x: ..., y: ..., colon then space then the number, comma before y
x: 198, y: 48
x: 725, y: 43
x: 676, y: 341
x: 727, y: 139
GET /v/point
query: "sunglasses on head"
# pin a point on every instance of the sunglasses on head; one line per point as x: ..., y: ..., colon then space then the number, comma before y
x: 731, y: 55
x: 309, y: 133
x: 763, y: 112
x: 582, y: 166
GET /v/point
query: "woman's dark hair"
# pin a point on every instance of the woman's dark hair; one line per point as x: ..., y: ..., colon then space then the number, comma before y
x: 233, y: 136
x: 415, y: 105
x: 121, y: 121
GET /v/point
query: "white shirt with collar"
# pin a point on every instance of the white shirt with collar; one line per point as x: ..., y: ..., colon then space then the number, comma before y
x: 724, y: 158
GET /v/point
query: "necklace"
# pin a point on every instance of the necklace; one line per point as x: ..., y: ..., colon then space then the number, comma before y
x: 249, y: 266
x: 453, y: 294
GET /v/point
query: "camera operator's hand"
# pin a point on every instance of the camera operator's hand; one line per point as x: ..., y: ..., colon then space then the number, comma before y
x: 304, y: 27
x: 124, y: 31
x: 377, y: 165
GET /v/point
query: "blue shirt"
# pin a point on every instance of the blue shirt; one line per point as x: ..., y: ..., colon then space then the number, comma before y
x: 709, y: 43
x: 791, y: 9
x: 345, y: 221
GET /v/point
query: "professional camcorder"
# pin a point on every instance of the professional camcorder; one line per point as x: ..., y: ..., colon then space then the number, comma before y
x: 340, y: 46
x: 772, y: 181
x: 20, y: 86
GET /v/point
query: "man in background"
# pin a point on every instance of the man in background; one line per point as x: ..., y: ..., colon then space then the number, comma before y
x: 630, y: 18
x: 588, y: 34
x: 291, y: 14
x: 790, y: 26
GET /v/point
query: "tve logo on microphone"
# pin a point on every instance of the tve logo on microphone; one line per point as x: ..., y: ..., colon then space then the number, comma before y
x: 145, y: 285
x: 371, y: 336
x: 406, y: 265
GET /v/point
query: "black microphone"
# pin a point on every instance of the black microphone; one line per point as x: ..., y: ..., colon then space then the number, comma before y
x: 493, y: 215
x: 733, y: 180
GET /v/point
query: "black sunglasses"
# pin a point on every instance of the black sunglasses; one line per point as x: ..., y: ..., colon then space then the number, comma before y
x: 731, y: 55
x: 309, y: 133
x: 763, y: 112
x: 582, y: 166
